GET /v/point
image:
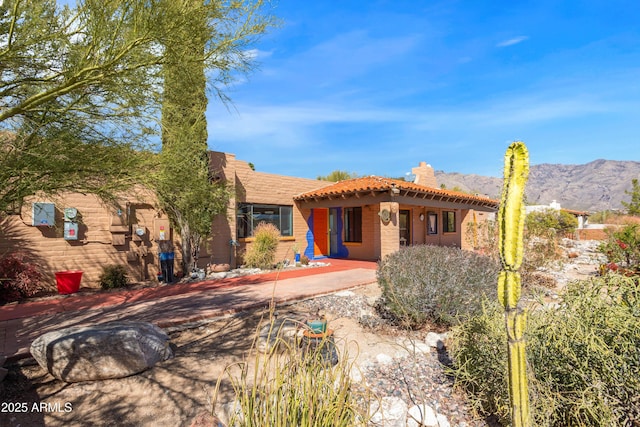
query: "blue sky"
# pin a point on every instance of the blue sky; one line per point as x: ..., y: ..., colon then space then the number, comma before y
x: 375, y: 87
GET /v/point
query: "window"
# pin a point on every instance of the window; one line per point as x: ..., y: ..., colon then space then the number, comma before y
x: 432, y: 223
x: 449, y: 222
x: 250, y: 215
x: 353, y: 224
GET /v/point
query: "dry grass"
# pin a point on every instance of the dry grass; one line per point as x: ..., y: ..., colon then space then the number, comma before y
x: 289, y: 385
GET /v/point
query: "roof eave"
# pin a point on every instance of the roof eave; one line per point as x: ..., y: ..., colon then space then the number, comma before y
x: 425, y: 195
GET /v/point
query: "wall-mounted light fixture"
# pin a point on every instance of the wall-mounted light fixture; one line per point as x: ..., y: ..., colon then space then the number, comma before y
x: 421, y: 217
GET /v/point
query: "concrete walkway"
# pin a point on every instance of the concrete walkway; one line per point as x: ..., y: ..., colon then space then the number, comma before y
x: 174, y: 305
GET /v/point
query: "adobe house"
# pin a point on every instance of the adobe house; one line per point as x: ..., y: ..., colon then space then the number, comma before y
x: 364, y: 218
x: 371, y: 217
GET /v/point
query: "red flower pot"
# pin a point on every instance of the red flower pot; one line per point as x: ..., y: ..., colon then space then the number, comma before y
x: 68, y: 281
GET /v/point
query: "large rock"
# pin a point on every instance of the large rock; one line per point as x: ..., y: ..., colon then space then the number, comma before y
x: 391, y: 411
x: 98, y: 352
x: 421, y: 415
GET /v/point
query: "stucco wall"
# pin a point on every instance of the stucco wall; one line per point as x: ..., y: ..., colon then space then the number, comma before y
x: 259, y: 188
x: 95, y: 245
x: 389, y: 231
x: 369, y: 248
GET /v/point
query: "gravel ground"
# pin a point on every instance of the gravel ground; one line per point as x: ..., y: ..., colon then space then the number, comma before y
x: 422, y: 378
x: 416, y: 379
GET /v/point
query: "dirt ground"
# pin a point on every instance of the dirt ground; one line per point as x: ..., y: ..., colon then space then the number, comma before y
x: 173, y: 392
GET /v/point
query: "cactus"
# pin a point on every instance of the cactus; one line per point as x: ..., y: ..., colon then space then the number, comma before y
x: 511, y: 217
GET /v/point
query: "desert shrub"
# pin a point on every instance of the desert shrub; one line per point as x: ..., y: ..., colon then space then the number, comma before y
x: 538, y: 223
x: 436, y: 284
x: 582, y: 354
x: 613, y: 217
x: 483, y: 237
x: 262, y: 252
x: 304, y: 260
x: 288, y: 387
x: 623, y: 247
x: 113, y: 276
x: 541, y: 248
x: 19, y: 277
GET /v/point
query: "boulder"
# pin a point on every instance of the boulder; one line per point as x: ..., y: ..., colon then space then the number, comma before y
x: 384, y: 359
x: 99, y: 352
x: 219, y: 268
x: 422, y: 415
x: 391, y: 411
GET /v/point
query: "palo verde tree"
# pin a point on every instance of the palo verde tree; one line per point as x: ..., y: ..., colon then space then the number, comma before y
x: 338, y: 175
x: 78, y: 89
x: 633, y: 206
x: 211, y: 39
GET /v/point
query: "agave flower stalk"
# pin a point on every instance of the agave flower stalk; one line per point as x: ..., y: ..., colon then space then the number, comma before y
x: 511, y: 216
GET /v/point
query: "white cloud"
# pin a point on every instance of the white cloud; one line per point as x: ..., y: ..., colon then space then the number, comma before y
x: 512, y: 41
x: 291, y: 124
x: 257, y: 53
x: 297, y: 124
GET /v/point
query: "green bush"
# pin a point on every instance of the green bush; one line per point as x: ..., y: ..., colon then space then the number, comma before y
x: 623, y: 247
x: 540, y: 222
x: 436, y: 284
x: 113, y: 276
x: 583, y: 357
x: 262, y: 252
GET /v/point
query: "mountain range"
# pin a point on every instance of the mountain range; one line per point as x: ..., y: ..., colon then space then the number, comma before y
x: 595, y: 186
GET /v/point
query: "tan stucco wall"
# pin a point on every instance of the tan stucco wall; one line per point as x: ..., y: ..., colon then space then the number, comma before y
x: 94, y: 247
x: 369, y: 248
x: 389, y: 231
x: 418, y: 228
x: 256, y: 187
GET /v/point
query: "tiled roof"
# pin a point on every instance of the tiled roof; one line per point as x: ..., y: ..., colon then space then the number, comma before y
x: 377, y: 184
x: 576, y: 213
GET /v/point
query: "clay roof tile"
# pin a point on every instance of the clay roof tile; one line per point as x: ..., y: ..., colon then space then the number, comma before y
x: 381, y: 184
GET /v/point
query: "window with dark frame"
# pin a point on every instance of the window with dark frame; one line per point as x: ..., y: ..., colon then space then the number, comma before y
x: 353, y: 224
x: 449, y: 222
x: 432, y: 223
x: 250, y: 215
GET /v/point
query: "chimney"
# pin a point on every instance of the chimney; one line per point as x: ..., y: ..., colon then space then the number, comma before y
x: 424, y: 175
